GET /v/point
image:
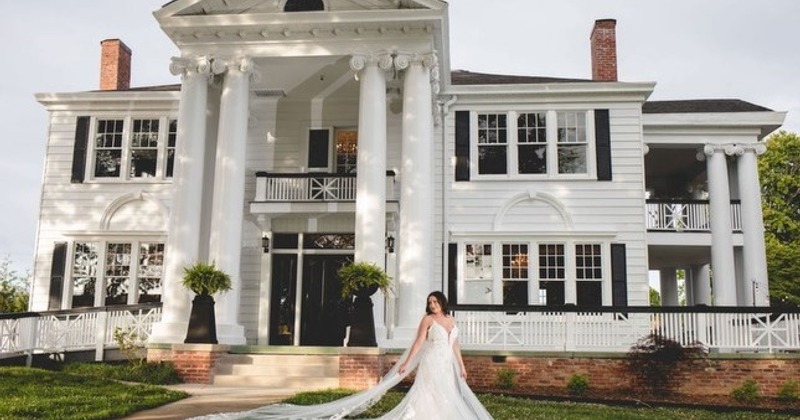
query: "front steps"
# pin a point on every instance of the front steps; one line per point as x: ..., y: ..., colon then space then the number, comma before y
x: 286, y: 372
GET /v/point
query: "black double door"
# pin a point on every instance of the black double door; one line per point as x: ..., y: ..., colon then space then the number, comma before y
x: 323, y: 316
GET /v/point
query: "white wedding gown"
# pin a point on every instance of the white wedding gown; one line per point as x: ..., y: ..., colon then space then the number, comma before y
x: 438, y: 392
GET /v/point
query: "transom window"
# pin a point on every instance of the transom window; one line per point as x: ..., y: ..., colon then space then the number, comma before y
x: 133, y: 148
x: 346, y: 151
x: 533, y: 143
x: 116, y: 273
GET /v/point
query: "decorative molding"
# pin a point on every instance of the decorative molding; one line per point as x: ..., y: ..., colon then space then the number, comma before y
x: 242, y: 64
x: 120, y: 202
x: 184, y: 65
x: 532, y: 195
x: 360, y: 61
x: 757, y: 148
x: 731, y: 149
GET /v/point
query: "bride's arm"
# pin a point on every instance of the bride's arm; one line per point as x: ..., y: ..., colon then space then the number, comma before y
x: 421, y: 332
x: 457, y: 351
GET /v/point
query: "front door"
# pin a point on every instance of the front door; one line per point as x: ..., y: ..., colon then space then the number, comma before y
x: 282, y: 302
x: 323, y: 315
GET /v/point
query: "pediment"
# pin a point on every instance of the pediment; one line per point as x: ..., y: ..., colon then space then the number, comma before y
x: 238, y: 7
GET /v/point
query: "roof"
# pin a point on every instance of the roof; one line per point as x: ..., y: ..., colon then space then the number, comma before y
x: 463, y: 77
x: 701, y: 105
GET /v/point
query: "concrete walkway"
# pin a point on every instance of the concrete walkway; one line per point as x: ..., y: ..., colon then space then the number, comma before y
x: 210, y: 399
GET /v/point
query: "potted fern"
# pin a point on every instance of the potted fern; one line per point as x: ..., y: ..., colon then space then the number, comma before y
x: 362, y: 280
x: 204, y: 280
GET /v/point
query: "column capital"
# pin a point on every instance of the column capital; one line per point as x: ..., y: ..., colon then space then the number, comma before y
x: 756, y: 148
x: 184, y: 65
x: 243, y: 64
x: 710, y: 149
x: 403, y: 60
x: 381, y: 59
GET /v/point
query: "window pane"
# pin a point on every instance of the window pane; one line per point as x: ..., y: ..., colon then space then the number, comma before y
x: 172, y: 136
x: 588, y: 261
x: 589, y: 293
x: 572, y: 159
x: 492, y: 160
x: 551, y: 293
x: 151, y: 268
x: 551, y: 261
x: 478, y: 262
x: 515, y: 261
x: 532, y: 159
x: 143, y: 163
x: 84, y: 274
x: 515, y: 293
x: 346, y: 151
x: 107, y: 163
x: 108, y: 148
x: 118, y: 268
x: 144, y: 148
x: 477, y: 292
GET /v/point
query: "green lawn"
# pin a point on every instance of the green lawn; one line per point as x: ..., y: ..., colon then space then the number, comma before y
x: 520, y: 408
x: 30, y: 393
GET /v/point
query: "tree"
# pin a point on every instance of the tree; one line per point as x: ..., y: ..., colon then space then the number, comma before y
x: 655, y: 297
x: 779, y: 171
x: 13, y: 288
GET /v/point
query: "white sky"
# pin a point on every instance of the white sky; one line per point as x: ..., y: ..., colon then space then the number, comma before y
x: 744, y: 49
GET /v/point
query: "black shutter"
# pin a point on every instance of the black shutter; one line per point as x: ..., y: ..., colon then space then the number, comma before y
x: 318, y: 148
x: 79, y: 151
x: 462, y: 145
x: 619, y: 275
x: 57, y: 267
x: 452, y: 273
x: 602, y: 133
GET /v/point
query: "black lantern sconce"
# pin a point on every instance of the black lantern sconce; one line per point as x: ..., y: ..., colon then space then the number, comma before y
x: 265, y: 244
x: 390, y: 244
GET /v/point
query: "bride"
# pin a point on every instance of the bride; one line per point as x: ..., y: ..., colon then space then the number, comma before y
x: 439, y: 391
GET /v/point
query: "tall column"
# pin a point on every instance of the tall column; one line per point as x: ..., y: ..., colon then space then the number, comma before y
x: 669, y: 287
x: 755, y: 258
x: 701, y: 284
x: 371, y: 175
x: 416, y: 230
x: 183, y: 240
x: 225, y: 244
x: 724, y: 274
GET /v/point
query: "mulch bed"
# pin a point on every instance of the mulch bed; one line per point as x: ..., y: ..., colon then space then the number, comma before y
x: 651, y: 399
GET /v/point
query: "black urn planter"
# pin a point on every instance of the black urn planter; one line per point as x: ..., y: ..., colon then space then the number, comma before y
x: 362, y: 324
x: 202, y: 321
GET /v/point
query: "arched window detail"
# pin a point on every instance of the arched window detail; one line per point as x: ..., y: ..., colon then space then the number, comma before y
x: 303, y: 6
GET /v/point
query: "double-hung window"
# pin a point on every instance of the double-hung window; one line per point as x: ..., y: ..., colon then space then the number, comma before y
x: 132, y: 148
x: 534, y: 144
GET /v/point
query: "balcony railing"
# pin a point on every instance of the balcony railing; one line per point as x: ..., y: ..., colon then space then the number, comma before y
x: 686, y: 215
x: 311, y: 187
x: 725, y: 330
x: 74, y: 330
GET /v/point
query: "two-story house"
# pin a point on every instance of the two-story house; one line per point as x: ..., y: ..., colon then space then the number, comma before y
x: 306, y: 133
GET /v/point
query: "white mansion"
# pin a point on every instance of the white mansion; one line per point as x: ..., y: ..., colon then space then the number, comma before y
x: 306, y: 133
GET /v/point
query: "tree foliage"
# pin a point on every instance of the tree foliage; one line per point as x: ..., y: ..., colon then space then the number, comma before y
x: 13, y: 288
x: 779, y: 170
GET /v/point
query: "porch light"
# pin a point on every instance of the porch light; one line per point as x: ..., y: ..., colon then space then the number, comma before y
x: 265, y: 243
x: 390, y: 244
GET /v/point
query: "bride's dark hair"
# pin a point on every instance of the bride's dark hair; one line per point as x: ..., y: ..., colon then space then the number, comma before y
x: 441, y: 298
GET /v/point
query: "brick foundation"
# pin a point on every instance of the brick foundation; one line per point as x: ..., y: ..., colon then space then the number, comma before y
x: 194, y: 363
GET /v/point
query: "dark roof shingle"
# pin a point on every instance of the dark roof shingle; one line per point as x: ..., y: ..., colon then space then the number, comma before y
x: 701, y: 105
x: 463, y: 77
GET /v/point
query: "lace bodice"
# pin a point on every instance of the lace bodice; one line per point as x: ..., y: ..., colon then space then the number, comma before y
x: 437, y: 334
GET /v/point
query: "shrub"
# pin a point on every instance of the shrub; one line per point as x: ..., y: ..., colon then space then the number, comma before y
x: 789, y: 391
x: 654, y: 358
x: 205, y: 279
x: 356, y: 276
x: 129, y: 344
x: 748, y: 392
x: 578, y: 384
x: 506, y: 378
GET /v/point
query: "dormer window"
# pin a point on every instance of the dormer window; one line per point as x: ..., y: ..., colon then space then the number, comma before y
x: 303, y: 6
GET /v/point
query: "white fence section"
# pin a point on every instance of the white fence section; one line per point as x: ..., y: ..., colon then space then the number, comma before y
x: 618, y: 331
x: 692, y: 216
x: 311, y: 187
x: 73, y: 331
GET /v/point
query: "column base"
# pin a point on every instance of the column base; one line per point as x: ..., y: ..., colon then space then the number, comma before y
x: 168, y: 333
x: 231, y: 334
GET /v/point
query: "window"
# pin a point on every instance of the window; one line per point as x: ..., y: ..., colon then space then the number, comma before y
x: 515, y: 274
x: 133, y: 148
x: 108, y: 269
x: 303, y: 5
x: 552, y: 274
x: 533, y: 143
x: 478, y: 274
x: 346, y: 151
x: 492, y: 143
x: 572, y: 143
x: 589, y: 274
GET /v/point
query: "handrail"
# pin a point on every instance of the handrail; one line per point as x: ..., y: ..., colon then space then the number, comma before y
x: 630, y: 309
x: 88, y: 309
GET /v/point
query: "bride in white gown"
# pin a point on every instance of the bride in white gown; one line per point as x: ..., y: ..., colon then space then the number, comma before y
x: 440, y: 390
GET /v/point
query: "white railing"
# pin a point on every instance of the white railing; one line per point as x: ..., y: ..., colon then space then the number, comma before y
x: 87, y: 329
x: 724, y: 330
x: 278, y: 187
x: 686, y: 216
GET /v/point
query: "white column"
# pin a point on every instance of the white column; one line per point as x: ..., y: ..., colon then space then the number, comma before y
x: 416, y: 230
x: 724, y: 276
x: 371, y: 175
x: 669, y: 287
x: 755, y: 258
x: 701, y: 283
x: 225, y: 244
x: 182, y: 247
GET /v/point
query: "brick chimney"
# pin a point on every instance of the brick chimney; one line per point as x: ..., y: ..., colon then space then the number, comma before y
x: 604, y: 50
x: 115, y: 65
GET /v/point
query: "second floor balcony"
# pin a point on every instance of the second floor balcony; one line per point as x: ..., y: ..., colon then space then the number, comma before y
x: 686, y: 215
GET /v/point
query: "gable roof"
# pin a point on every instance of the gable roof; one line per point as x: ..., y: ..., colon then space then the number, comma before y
x: 463, y: 77
x: 701, y: 105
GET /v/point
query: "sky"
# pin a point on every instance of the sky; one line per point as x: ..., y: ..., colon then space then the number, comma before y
x: 692, y: 49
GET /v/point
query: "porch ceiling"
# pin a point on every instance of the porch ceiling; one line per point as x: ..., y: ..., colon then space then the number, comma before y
x: 305, y: 78
x: 665, y: 256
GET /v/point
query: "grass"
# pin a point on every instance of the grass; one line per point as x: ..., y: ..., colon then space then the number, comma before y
x: 30, y: 393
x: 502, y: 407
x: 146, y: 373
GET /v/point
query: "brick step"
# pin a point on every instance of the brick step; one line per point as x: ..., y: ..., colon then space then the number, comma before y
x: 297, y: 383
x: 282, y: 359
x: 295, y: 372
x: 281, y: 370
